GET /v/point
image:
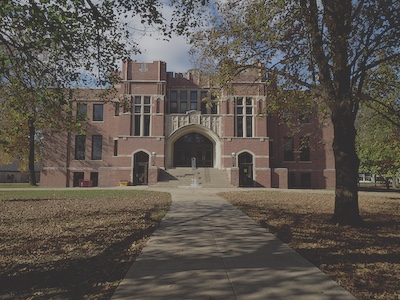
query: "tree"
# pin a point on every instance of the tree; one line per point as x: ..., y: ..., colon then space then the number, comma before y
x: 46, y: 47
x: 378, y: 124
x: 29, y: 108
x: 330, y: 47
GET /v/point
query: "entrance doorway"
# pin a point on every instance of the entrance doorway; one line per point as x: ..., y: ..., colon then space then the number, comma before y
x: 193, y: 145
x: 245, y: 169
x: 141, y: 168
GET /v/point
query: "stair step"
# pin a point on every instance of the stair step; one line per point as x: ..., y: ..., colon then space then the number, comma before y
x: 205, y: 177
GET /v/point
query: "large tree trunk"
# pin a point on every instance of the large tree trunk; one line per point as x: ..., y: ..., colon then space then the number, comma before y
x: 346, y: 162
x: 32, y: 132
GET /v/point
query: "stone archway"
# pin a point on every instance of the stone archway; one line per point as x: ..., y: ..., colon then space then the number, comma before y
x: 211, y: 137
x: 193, y: 145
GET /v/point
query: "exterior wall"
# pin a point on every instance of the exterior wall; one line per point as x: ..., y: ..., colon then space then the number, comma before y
x: 264, y: 148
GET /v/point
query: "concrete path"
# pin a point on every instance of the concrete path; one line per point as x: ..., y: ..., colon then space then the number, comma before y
x: 208, y: 249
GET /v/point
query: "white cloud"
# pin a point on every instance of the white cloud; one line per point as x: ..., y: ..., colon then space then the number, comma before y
x: 174, y: 52
x: 153, y: 46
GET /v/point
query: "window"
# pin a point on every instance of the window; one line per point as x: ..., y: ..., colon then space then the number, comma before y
x: 193, y: 100
x: 116, y: 112
x: 244, y: 117
x: 173, y: 95
x: 288, y: 149
x: 305, y: 149
x: 182, y: 101
x: 173, y: 107
x: 94, y: 177
x: 98, y: 112
x: 203, y: 99
x: 183, y: 95
x: 141, y: 116
x: 80, y: 141
x: 158, y: 104
x: 78, y: 176
x: 115, y: 147
x: 97, y: 147
x: 305, y: 180
x: 214, y: 104
x: 193, y: 96
x: 81, y: 113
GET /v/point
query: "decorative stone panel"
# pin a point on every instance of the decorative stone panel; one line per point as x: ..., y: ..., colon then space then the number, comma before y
x: 177, y: 121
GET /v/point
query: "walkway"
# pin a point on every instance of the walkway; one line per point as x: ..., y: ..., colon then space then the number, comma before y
x: 208, y: 249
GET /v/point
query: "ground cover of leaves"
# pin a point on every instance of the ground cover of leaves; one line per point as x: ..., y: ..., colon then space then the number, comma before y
x: 72, y: 244
x: 364, y: 260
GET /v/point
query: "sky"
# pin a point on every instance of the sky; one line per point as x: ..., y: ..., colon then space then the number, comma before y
x: 174, y: 52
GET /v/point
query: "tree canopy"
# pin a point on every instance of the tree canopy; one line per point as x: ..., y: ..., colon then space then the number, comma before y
x: 47, y: 47
x: 333, y: 48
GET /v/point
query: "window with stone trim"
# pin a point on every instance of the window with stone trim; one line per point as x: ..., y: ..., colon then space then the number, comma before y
x: 181, y: 101
x: 81, y: 112
x: 97, y: 147
x: 141, y: 116
x: 244, y: 110
x: 98, y: 112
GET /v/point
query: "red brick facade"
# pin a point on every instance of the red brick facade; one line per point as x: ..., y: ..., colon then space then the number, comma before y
x: 159, y: 120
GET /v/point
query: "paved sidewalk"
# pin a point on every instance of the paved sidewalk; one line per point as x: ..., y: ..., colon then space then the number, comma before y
x: 208, y: 249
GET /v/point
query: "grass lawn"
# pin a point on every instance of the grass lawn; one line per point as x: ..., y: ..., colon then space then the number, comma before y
x: 72, y: 244
x: 365, y: 261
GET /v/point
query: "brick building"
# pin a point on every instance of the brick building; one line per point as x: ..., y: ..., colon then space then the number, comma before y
x: 159, y: 121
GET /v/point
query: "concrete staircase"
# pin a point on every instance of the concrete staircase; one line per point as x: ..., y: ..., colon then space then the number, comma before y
x: 183, y: 177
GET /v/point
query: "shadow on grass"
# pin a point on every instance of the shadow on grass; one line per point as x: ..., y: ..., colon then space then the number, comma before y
x: 363, y: 259
x: 95, y: 277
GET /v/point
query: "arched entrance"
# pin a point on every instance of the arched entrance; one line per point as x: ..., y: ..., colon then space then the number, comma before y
x: 140, y: 168
x: 193, y: 145
x: 245, y: 161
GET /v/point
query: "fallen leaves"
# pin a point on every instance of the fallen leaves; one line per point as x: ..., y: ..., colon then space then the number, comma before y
x: 73, y: 244
x: 364, y: 260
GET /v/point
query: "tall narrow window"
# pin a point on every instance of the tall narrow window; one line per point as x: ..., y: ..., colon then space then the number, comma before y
x: 305, y: 148
x: 97, y: 147
x: 81, y: 112
x: 244, y: 117
x: 98, y: 112
x: 193, y: 100
x: 203, y: 99
x: 158, y: 105
x: 214, y: 104
x: 115, y: 147
x: 173, y: 102
x: 141, y: 117
x: 80, y: 146
x: 288, y: 149
x: 116, y: 111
